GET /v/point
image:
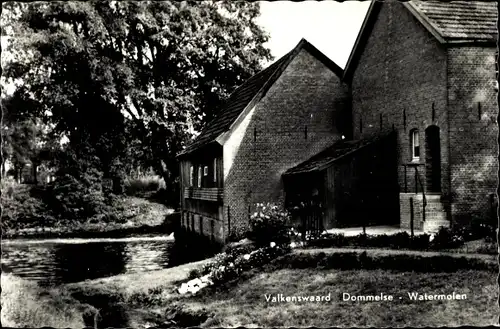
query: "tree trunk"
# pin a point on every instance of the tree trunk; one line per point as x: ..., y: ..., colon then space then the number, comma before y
x: 35, y: 176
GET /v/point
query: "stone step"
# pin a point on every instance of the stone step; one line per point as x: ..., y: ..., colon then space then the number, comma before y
x: 432, y: 226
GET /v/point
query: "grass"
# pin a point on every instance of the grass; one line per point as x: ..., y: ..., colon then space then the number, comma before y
x: 245, y: 304
x: 128, y: 300
x: 24, y: 304
x: 135, y: 214
x: 150, y: 297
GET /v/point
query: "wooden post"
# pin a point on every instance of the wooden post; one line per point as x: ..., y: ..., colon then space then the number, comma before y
x: 228, y: 221
x: 406, y: 181
x: 364, y: 220
x: 492, y: 209
x: 411, y: 218
x: 212, y: 231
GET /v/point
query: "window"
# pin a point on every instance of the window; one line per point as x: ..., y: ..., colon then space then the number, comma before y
x: 215, y: 170
x: 199, y: 176
x: 415, y: 145
x: 205, y: 171
x: 191, y: 175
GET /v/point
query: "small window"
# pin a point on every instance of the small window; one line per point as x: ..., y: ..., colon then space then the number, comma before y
x: 415, y: 145
x: 191, y: 175
x: 215, y: 170
x: 199, y: 176
x: 205, y: 171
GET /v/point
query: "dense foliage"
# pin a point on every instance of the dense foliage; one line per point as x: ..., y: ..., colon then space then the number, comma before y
x: 231, y: 264
x: 269, y: 223
x: 116, y: 86
x: 445, y: 238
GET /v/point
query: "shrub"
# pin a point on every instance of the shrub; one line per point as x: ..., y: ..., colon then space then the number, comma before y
x: 488, y: 248
x: 329, y: 240
x: 231, y: 264
x: 447, y: 238
x: 141, y: 185
x: 363, y: 260
x: 269, y: 224
x: 22, y: 207
x: 420, y: 242
x: 401, y: 240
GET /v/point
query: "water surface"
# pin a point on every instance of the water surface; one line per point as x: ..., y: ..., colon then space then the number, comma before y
x: 56, y: 261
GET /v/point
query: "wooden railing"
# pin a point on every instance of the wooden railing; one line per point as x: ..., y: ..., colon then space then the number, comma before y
x: 204, y: 193
x: 418, y: 182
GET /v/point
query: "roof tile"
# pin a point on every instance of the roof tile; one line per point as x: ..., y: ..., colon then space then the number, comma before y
x: 462, y: 20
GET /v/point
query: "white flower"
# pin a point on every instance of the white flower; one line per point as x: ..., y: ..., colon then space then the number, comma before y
x: 431, y: 237
x: 195, y: 282
x: 247, y: 256
x: 183, y: 289
x: 292, y: 245
x: 273, y: 244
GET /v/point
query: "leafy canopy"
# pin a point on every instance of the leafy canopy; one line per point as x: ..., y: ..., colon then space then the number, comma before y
x: 112, y: 73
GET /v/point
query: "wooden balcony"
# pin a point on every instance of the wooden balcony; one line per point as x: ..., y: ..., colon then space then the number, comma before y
x: 204, y: 193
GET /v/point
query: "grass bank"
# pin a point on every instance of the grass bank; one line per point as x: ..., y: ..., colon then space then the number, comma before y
x: 150, y: 299
x: 245, y: 304
x: 133, y: 215
x: 24, y: 304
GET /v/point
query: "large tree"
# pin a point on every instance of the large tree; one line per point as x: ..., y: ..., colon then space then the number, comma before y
x: 160, y: 68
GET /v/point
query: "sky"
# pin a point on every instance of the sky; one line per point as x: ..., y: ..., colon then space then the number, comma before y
x: 330, y: 26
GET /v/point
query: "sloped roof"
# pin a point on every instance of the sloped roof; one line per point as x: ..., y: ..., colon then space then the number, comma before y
x: 235, y: 104
x: 453, y: 22
x: 331, y: 154
x: 472, y: 21
x: 255, y: 86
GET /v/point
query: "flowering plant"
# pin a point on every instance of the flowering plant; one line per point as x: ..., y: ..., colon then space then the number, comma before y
x: 228, y: 266
x: 269, y: 223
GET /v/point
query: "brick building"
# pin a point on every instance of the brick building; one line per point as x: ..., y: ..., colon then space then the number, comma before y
x: 410, y: 123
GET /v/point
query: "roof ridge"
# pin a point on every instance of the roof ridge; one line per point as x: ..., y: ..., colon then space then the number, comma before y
x: 254, y: 87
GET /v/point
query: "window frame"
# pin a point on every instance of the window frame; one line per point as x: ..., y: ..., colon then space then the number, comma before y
x: 200, y: 172
x: 415, y: 145
x: 215, y: 170
x: 191, y: 176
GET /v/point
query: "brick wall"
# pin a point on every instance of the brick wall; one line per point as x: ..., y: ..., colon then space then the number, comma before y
x: 473, y: 131
x: 401, y: 79
x: 405, y: 200
x: 293, y: 121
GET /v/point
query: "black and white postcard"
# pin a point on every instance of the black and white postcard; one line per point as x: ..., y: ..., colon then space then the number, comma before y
x: 257, y: 164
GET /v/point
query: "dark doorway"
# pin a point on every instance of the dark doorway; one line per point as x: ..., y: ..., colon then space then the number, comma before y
x: 432, y: 159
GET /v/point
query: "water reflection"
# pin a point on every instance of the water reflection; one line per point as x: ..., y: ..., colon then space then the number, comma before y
x: 62, y: 261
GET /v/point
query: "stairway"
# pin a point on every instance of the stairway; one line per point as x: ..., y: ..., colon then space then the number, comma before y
x: 435, y: 214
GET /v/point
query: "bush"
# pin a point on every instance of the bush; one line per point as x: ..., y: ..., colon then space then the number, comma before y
x: 447, y: 238
x: 232, y: 267
x: 363, y: 260
x: 401, y: 240
x: 329, y: 241
x: 269, y: 224
x: 23, y: 207
x: 141, y: 185
x: 231, y: 264
x: 488, y: 248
